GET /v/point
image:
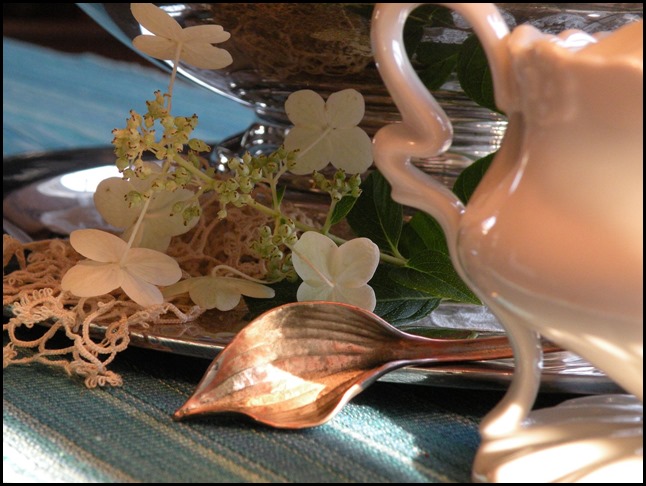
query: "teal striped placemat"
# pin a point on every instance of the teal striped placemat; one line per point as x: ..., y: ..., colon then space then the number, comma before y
x: 57, y: 430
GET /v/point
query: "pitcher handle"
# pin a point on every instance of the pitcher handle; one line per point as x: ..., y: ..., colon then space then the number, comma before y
x: 426, y: 130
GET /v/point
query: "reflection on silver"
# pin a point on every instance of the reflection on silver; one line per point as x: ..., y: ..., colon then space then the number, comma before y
x: 86, y: 181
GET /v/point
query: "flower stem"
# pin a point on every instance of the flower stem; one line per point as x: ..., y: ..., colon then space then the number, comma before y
x: 173, y: 75
x: 135, y: 228
x: 192, y: 169
x: 273, y: 186
x: 328, y: 219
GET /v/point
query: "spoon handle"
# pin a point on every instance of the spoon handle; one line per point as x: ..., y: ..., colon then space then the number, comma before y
x: 420, y: 350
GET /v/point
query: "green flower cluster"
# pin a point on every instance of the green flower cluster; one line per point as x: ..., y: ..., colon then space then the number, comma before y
x: 273, y: 247
x: 140, y: 136
x: 339, y: 185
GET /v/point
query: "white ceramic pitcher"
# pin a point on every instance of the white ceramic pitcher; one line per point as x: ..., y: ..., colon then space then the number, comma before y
x: 552, y: 239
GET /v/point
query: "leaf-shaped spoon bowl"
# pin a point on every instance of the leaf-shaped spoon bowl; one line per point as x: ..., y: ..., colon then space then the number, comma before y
x: 298, y: 364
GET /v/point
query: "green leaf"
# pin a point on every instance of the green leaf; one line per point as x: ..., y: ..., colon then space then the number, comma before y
x: 431, y: 272
x: 397, y: 303
x: 342, y: 209
x: 466, y: 183
x: 437, y: 62
x: 474, y: 74
x: 429, y: 231
x: 432, y: 16
x: 404, y: 310
x: 375, y: 215
x: 425, y: 16
x: 412, y: 35
x: 280, y: 193
x: 410, y: 242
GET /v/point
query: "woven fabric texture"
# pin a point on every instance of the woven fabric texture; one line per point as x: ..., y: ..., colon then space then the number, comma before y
x: 55, y: 429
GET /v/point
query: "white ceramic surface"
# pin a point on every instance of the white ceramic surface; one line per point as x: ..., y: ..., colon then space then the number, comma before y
x: 591, y: 439
x: 552, y: 239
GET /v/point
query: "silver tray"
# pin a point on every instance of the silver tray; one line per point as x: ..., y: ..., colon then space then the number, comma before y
x: 49, y: 194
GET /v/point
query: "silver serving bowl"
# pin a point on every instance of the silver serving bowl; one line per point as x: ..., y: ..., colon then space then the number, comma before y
x: 279, y: 48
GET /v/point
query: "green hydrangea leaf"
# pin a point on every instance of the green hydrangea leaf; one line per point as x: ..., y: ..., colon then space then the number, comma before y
x: 466, y: 183
x: 437, y: 62
x: 397, y: 303
x: 429, y: 231
x: 342, y: 208
x: 474, y: 74
x: 280, y: 193
x: 431, y: 272
x: 375, y: 215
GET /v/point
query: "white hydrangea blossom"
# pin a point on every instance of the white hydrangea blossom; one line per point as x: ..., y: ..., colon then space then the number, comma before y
x: 327, y: 132
x: 111, y: 264
x: 170, y: 41
x: 336, y: 273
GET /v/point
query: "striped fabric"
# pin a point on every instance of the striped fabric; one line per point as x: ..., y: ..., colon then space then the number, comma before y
x: 56, y: 430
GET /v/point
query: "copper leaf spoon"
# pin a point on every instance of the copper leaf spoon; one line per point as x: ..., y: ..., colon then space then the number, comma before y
x: 298, y: 364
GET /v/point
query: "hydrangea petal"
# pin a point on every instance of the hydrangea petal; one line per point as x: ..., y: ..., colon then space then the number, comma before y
x: 195, y: 43
x: 140, y: 291
x: 181, y: 287
x: 157, y: 47
x: 110, y: 201
x: 89, y: 278
x: 205, y: 56
x: 363, y: 296
x: 355, y: 262
x: 248, y: 288
x: 330, y: 137
x: 317, y: 155
x: 345, y: 109
x: 156, y: 20
x: 227, y: 299
x: 162, y: 208
x: 208, y: 294
x: 335, y: 273
x: 148, y: 237
x: 312, y: 256
x: 306, y: 108
x: 314, y: 291
x: 98, y: 245
x: 202, y: 292
x: 152, y: 266
x: 211, y: 34
x: 160, y: 222
x: 351, y: 150
x: 223, y: 293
